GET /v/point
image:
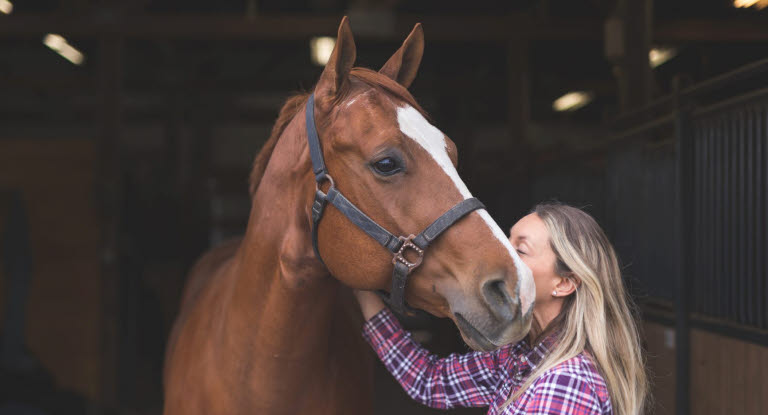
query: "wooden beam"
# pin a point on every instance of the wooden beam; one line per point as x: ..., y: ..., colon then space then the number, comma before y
x: 287, y: 27
x: 438, y: 28
x: 78, y: 85
x: 711, y: 30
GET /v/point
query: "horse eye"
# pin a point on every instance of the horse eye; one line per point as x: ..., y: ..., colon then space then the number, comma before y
x: 387, y: 166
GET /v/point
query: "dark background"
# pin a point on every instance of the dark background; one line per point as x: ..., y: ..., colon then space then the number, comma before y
x: 116, y: 174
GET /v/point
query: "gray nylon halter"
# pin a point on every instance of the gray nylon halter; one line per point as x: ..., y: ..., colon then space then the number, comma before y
x: 396, y: 245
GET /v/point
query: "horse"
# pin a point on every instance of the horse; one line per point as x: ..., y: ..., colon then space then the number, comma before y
x: 268, y: 325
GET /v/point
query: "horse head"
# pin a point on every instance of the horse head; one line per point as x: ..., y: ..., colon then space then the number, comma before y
x: 389, y: 160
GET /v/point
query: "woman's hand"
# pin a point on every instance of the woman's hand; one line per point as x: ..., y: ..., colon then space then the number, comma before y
x: 370, y: 303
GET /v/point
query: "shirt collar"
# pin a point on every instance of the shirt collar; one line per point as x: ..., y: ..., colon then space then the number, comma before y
x: 534, y: 356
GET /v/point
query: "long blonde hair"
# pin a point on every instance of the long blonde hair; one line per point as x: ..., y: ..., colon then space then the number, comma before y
x: 599, y: 317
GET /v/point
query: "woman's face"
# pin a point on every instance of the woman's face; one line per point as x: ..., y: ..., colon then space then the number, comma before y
x: 530, y: 238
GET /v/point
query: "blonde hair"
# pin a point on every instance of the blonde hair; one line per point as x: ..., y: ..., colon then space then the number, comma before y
x: 598, y: 317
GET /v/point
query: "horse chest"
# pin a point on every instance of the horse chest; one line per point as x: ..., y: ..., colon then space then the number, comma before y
x: 237, y: 379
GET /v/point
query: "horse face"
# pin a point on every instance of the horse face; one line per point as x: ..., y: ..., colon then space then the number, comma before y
x: 399, y: 169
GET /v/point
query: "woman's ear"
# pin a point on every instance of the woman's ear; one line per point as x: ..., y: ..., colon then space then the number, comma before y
x: 567, y: 285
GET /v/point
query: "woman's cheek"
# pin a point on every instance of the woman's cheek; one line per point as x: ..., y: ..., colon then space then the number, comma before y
x: 538, y: 280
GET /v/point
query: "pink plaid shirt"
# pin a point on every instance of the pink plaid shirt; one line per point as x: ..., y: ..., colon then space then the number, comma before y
x: 487, y: 378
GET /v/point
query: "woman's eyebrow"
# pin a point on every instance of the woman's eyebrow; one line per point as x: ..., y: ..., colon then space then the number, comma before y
x: 523, y: 238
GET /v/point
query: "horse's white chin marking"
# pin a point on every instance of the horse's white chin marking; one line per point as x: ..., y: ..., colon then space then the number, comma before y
x: 417, y: 128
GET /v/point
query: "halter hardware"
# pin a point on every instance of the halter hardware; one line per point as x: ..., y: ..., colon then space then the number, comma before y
x: 326, y: 177
x: 398, y: 246
x: 407, y: 243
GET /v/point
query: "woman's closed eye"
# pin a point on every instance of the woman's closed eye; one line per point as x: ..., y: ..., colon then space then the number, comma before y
x: 523, y: 247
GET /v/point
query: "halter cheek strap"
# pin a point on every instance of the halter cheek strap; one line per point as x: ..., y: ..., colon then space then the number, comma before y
x: 398, y: 246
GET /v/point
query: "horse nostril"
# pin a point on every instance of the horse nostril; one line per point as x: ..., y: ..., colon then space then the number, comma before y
x: 499, y: 300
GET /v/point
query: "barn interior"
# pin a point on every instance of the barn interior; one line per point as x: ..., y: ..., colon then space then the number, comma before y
x: 128, y: 130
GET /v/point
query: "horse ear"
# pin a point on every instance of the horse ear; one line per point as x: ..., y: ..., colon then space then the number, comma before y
x: 404, y: 64
x: 336, y: 72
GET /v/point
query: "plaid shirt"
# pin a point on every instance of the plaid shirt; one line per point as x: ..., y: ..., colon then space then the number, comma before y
x: 487, y: 378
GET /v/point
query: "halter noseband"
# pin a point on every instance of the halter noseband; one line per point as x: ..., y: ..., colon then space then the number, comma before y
x: 396, y: 245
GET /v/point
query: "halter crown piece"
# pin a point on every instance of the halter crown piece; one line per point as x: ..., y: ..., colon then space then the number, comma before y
x: 396, y: 245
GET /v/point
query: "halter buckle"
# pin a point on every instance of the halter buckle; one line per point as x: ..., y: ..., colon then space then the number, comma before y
x: 408, y: 244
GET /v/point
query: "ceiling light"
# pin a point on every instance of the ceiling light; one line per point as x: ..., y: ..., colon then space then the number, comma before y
x: 63, y: 48
x: 743, y: 4
x: 572, y: 101
x: 321, y: 49
x: 658, y: 56
x: 6, y: 6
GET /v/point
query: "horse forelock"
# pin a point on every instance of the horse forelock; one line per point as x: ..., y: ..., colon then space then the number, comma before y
x: 388, y: 86
x: 295, y: 103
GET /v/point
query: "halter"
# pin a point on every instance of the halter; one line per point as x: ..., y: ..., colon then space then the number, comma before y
x: 396, y: 245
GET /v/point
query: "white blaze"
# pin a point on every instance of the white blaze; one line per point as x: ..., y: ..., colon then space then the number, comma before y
x: 417, y: 128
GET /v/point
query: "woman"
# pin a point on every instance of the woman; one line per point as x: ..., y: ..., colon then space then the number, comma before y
x: 582, y: 355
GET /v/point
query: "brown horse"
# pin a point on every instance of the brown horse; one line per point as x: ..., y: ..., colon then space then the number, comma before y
x: 265, y: 327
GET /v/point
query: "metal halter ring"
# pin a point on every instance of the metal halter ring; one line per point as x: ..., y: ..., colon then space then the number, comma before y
x: 322, y: 179
x: 407, y: 244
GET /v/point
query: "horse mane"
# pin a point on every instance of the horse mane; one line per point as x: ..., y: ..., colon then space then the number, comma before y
x: 296, y: 102
x: 291, y: 107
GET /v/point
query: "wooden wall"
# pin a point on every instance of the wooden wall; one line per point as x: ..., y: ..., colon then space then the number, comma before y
x: 661, y: 365
x: 63, y: 309
x: 728, y: 376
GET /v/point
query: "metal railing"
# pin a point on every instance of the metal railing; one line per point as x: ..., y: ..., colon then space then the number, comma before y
x: 682, y: 191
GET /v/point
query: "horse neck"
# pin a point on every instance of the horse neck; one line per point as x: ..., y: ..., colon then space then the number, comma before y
x: 283, y: 294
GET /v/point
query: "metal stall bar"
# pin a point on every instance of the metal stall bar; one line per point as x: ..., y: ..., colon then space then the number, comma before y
x: 761, y: 210
x: 737, y: 293
x: 743, y: 245
x: 700, y: 185
x: 726, y: 79
x: 751, y: 220
x: 683, y: 152
x: 763, y: 213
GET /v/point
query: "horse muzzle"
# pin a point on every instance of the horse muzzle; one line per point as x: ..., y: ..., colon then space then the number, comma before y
x: 499, y: 321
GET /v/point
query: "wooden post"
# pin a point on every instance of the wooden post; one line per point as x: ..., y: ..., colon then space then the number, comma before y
x: 109, y: 188
x: 517, y: 149
x: 627, y: 43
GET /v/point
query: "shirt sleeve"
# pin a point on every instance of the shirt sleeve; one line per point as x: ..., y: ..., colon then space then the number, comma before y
x: 559, y: 393
x: 457, y: 380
